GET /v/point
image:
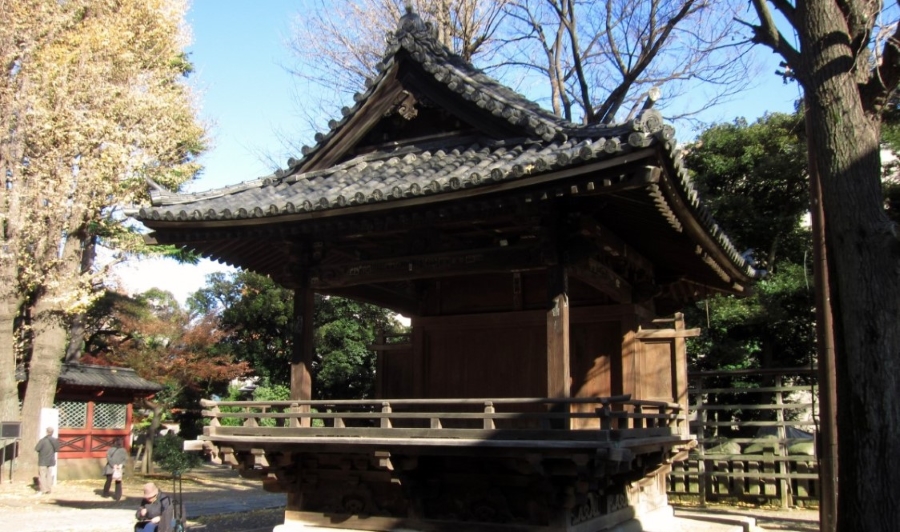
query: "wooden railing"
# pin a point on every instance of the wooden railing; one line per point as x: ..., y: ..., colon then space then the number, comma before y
x: 731, y: 460
x: 596, y: 419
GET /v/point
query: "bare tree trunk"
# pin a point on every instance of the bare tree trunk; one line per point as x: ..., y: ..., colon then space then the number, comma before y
x: 11, y: 299
x: 46, y: 361
x: 155, y: 423
x: 864, y: 254
x: 75, y: 346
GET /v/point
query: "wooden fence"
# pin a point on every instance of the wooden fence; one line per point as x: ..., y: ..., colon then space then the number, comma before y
x: 755, y: 438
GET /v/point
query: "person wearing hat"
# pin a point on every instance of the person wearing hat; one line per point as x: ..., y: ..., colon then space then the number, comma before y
x: 156, y: 513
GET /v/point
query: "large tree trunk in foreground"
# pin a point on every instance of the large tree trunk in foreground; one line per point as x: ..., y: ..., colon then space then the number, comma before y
x: 46, y: 361
x: 864, y: 255
x: 9, y: 394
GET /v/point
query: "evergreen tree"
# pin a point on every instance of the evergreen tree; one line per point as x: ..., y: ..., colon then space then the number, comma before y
x: 754, y: 179
x: 255, y: 315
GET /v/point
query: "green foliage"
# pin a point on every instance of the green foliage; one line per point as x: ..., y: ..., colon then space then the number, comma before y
x: 234, y: 394
x: 344, y: 367
x: 257, y: 316
x: 153, y: 335
x: 754, y: 178
x: 774, y: 327
x: 276, y: 392
x: 168, y: 452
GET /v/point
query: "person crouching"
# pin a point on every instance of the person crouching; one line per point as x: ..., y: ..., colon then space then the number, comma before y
x: 156, y: 513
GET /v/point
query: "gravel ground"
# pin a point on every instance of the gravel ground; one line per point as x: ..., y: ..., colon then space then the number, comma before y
x: 790, y: 520
x: 256, y: 521
x: 217, y: 500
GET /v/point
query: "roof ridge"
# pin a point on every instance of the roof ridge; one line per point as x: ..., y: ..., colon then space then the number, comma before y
x: 418, y: 38
x: 412, y: 31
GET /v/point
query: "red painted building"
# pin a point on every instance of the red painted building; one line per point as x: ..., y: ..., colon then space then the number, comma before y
x: 96, y: 405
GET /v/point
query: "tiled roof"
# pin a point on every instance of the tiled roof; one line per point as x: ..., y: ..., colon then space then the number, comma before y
x: 417, y: 39
x: 105, y: 377
x: 403, y: 172
x: 546, y: 145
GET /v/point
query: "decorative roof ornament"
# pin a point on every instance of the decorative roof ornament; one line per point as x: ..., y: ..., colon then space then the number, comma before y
x: 411, y: 21
x: 154, y: 186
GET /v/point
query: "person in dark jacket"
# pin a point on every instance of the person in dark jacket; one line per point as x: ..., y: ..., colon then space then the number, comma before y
x: 156, y: 513
x: 46, y: 448
x: 116, y: 457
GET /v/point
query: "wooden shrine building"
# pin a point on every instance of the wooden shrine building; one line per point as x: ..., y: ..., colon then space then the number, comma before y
x: 96, y: 406
x: 540, y: 389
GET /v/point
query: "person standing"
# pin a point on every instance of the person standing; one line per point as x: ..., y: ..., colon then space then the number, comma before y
x: 116, y: 457
x: 46, y: 448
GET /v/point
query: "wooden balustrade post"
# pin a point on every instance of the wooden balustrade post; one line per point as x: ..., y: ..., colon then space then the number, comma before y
x: 214, y: 422
x: 386, y: 409
x: 250, y: 421
x: 488, y: 421
x: 603, y: 414
x: 294, y: 422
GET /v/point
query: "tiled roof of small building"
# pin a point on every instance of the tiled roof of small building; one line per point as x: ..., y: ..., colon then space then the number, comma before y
x: 105, y: 377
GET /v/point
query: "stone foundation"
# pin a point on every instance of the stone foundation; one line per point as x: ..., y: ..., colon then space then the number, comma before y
x: 448, y: 494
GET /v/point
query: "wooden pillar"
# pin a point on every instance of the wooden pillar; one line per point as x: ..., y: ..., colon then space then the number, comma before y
x: 558, y: 381
x: 628, y: 367
x: 827, y: 448
x: 302, y: 352
x: 680, y: 371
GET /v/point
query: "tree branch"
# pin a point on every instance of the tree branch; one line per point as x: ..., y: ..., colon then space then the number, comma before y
x: 882, y: 86
x: 768, y: 34
x: 610, y: 106
x: 786, y: 9
x: 859, y: 15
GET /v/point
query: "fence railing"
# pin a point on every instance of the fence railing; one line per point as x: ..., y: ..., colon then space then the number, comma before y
x: 755, y: 438
x: 571, y: 419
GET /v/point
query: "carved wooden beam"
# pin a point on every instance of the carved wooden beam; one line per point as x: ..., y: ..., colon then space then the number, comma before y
x: 639, y: 177
x: 614, y: 246
x: 490, y: 260
x: 604, y: 279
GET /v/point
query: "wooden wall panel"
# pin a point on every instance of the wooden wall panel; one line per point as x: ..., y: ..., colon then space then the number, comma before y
x: 657, y: 377
x: 484, y: 293
x: 396, y: 376
x: 534, y: 290
x: 485, y: 355
x: 594, y: 347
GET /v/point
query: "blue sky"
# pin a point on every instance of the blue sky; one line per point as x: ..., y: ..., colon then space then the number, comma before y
x: 247, y: 97
x: 240, y: 55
